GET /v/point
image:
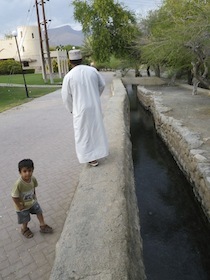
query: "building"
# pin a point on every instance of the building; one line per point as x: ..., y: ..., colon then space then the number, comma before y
x: 30, y: 53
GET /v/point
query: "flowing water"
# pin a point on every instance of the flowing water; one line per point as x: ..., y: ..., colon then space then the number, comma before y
x: 175, y: 233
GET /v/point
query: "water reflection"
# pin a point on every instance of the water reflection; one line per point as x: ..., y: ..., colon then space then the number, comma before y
x: 176, y: 237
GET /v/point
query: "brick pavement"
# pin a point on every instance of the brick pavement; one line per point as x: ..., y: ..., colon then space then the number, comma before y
x: 41, y: 130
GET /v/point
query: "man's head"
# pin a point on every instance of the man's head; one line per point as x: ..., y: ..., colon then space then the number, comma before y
x: 75, y: 57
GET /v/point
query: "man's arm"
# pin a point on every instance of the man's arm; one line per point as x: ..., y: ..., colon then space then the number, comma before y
x: 66, y: 95
x: 101, y: 83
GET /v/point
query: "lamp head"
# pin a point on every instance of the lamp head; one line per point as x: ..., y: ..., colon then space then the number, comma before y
x: 14, y: 33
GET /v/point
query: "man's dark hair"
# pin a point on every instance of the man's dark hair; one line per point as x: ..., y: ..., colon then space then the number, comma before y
x: 76, y: 62
x: 28, y: 163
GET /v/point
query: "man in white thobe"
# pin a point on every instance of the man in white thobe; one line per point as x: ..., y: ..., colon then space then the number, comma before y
x: 81, y: 90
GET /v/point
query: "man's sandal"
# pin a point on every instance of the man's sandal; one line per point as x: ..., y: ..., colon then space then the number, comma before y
x: 46, y: 229
x: 93, y: 163
x: 27, y: 233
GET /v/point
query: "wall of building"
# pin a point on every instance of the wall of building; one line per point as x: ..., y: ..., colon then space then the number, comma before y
x: 29, y: 46
x: 30, y: 53
x: 8, y: 48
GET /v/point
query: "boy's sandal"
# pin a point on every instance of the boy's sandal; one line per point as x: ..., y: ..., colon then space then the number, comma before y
x: 27, y: 233
x: 46, y: 229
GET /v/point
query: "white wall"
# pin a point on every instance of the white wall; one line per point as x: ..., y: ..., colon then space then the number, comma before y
x: 7, y: 48
x: 29, y: 46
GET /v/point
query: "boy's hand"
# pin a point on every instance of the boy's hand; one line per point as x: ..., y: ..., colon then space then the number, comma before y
x: 18, y: 203
x: 20, y: 207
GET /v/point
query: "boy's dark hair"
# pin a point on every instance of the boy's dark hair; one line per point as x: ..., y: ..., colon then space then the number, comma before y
x: 28, y: 163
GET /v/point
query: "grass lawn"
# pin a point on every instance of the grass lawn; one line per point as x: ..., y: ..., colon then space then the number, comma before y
x: 31, y: 79
x: 14, y: 96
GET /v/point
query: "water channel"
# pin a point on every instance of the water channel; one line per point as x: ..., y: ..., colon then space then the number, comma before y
x: 175, y: 233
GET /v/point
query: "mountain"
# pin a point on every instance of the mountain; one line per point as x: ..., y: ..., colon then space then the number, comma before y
x: 65, y: 35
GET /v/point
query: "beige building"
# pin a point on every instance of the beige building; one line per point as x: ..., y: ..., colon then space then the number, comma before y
x: 7, y: 48
x: 29, y: 46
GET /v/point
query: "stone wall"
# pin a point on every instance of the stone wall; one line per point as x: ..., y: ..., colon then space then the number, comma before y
x: 184, y: 145
x: 101, y: 237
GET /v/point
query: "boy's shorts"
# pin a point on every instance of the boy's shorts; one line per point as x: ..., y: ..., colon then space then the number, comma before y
x: 24, y: 215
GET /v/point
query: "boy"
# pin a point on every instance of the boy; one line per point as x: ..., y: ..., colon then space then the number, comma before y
x: 24, y: 197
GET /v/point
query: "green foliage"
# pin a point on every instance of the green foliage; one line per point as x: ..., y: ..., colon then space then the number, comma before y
x: 29, y: 71
x: 10, y: 66
x: 178, y: 36
x: 55, y: 66
x: 112, y: 28
x: 86, y: 48
x: 113, y: 63
x: 61, y: 48
x: 70, y: 47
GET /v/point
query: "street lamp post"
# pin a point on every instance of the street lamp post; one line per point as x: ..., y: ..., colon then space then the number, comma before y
x: 14, y: 34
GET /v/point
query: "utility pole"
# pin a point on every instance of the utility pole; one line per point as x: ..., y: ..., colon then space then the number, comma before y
x: 47, y: 41
x: 41, y: 44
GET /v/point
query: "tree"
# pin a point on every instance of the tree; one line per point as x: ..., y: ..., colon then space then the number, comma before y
x: 86, y: 48
x: 177, y: 36
x: 59, y: 48
x: 162, y: 43
x: 110, y: 25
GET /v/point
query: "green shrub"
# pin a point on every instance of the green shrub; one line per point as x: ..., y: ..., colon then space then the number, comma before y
x: 10, y: 67
x: 29, y: 71
x: 113, y: 63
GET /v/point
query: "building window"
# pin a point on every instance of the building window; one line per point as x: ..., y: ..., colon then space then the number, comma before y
x: 23, y: 49
x: 25, y: 63
x: 32, y: 35
x: 21, y: 34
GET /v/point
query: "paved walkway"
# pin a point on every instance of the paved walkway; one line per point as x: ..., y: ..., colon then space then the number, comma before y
x: 41, y: 130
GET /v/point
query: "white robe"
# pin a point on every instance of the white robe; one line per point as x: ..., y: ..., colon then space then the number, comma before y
x: 81, y: 91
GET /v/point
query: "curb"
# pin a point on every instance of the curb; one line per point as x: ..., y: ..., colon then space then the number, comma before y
x: 101, y: 237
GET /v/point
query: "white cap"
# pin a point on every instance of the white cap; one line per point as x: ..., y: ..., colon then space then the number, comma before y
x: 75, y: 55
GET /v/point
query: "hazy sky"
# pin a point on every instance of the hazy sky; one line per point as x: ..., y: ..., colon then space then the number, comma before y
x: 23, y: 12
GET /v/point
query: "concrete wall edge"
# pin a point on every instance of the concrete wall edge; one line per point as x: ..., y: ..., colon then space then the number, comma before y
x: 184, y: 145
x: 101, y: 236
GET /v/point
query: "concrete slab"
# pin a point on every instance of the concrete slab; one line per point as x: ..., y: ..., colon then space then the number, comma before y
x: 101, y: 237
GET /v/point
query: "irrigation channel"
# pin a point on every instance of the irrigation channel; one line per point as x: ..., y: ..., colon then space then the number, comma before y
x: 175, y: 233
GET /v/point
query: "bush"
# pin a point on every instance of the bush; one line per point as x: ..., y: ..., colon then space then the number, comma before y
x: 10, y: 67
x: 28, y: 71
x: 113, y: 63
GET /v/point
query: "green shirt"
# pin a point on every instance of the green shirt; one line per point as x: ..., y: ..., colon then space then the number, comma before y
x: 25, y: 191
